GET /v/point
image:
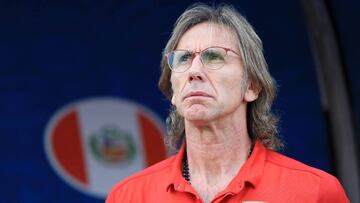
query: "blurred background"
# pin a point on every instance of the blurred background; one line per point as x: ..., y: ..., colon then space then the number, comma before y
x: 79, y: 103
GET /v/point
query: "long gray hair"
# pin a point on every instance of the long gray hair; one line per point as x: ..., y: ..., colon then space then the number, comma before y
x: 261, y: 122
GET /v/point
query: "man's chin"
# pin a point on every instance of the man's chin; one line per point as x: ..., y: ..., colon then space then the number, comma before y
x: 199, y: 118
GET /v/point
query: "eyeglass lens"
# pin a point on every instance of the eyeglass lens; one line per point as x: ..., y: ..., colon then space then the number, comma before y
x: 181, y: 60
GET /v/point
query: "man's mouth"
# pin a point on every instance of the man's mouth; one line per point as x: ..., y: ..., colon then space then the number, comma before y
x: 196, y: 94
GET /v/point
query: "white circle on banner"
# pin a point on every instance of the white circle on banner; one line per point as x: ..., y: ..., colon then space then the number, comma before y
x: 94, y: 143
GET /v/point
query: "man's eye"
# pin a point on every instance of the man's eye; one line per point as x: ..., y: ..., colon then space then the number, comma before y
x: 212, y: 56
x: 184, y: 58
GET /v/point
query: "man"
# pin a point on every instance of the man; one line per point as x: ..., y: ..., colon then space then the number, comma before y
x: 215, y: 74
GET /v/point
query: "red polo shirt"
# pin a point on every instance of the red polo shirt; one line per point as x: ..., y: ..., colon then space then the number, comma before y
x: 266, y: 176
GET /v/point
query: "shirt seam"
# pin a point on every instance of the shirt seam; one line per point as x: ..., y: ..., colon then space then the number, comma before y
x: 135, y: 177
x: 296, y: 169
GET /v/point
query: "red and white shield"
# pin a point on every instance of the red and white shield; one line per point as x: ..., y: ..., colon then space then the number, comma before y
x: 94, y: 143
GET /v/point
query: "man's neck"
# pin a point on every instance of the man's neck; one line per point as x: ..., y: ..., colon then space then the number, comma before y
x: 215, y: 156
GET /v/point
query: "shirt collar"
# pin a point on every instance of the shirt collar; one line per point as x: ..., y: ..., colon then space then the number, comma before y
x: 251, y: 172
x: 177, y: 181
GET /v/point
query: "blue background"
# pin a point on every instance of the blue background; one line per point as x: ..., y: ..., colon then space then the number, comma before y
x: 55, y: 52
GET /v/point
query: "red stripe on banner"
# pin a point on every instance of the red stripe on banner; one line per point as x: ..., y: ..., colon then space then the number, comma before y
x: 68, y: 148
x: 152, y: 139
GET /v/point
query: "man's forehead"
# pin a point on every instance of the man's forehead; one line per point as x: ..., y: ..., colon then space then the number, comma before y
x: 208, y: 34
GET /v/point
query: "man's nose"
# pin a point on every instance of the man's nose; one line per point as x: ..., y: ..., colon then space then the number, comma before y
x: 196, y: 70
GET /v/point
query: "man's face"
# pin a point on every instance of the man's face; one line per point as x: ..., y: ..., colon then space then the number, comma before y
x: 203, y: 95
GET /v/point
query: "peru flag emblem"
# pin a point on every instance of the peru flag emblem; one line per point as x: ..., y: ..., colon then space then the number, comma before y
x: 94, y: 143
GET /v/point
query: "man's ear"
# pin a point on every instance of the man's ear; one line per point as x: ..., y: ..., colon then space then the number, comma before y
x: 252, y: 92
x: 173, y: 100
x: 172, y: 91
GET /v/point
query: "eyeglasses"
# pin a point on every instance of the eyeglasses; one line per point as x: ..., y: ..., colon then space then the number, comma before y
x: 211, y: 57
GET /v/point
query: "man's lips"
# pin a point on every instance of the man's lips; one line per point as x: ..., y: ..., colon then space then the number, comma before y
x: 196, y: 94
